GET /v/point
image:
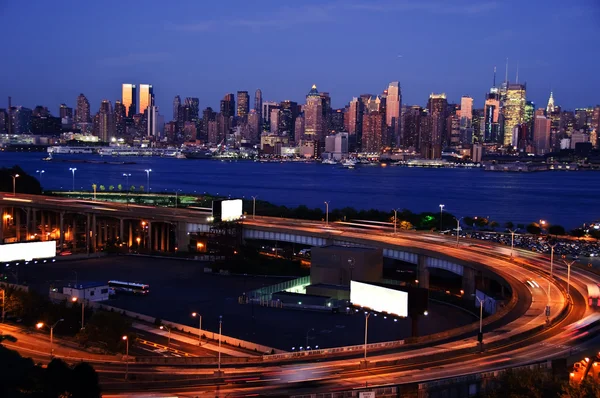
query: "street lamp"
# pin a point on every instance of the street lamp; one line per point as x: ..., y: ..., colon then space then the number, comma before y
x: 148, y: 178
x: 74, y: 300
x: 220, y: 333
x: 15, y: 184
x: 512, y: 241
x: 73, y: 170
x: 458, y: 229
x: 3, y: 304
x: 197, y: 314
x: 162, y: 327
x: 40, y: 172
x: 126, y: 175
x: 569, y: 264
x: 326, y: 213
x: 254, y: 206
x: 395, y: 218
x: 40, y: 325
x: 177, y: 197
x: 126, y: 356
x: 309, y: 330
x: 367, y: 315
x: 481, y: 303
x: 441, y: 214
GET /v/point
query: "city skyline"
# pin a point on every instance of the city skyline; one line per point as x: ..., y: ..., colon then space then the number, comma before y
x: 166, y: 62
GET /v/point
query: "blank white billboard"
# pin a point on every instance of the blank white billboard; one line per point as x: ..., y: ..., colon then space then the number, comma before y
x: 379, y: 299
x: 231, y: 210
x: 27, y: 251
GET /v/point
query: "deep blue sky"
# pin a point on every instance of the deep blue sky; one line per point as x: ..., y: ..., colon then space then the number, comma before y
x: 54, y: 50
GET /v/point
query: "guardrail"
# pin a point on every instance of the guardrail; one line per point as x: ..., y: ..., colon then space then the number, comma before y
x: 336, y: 350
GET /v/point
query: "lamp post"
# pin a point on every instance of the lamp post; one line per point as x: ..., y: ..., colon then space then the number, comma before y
x: 3, y: 304
x: 73, y: 170
x: 367, y: 315
x: 512, y: 241
x: 194, y: 314
x: 220, y: 332
x: 148, y: 178
x: 126, y: 175
x: 15, y: 184
x: 395, y: 219
x: 40, y: 325
x: 126, y: 356
x: 74, y: 300
x: 163, y: 327
x: 481, y: 302
x: 326, y: 213
x: 177, y: 197
x: 40, y: 172
x: 569, y: 264
x: 441, y: 214
x: 254, y: 206
x: 458, y: 229
x: 307, y: 333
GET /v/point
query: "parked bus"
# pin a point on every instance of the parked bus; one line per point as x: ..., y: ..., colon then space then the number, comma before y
x: 128, y: 287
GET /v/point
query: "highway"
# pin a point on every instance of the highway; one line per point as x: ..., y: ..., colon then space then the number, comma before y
x: 523, y: 340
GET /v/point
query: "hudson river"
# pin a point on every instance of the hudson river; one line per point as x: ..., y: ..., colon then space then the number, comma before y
x: 566, y: 198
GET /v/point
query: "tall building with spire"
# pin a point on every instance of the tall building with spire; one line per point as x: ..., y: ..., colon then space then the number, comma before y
x: 550, y: 106
x: 313, y: 116
x: 258, y: 104
x: 83, y: 110
x: 514, y: 110
x: 129, y: 99
x: 393, y: 105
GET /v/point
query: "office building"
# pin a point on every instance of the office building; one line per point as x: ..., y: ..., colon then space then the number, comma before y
x: 374, y: 132
x: 411, y: 124
x: 337, y: 145
x: 529, y: 119
x: 20, y: 120
x: 129, y: 99
x: 355, y: 120
x: 466, y: 120
x: 393, y: 105
x: 106, y: 121
x: 313, y: 116
x: 514, y: 110
x: 299, y: 128
x: 541, y: 133
x: 120, y: 116
x: 254, y: 126
x: 243, y: 104
x: 176, y: 106
x: 192, y: 104
x: 146, y: 97
x: 274, y: 121
x: 65, y: 112
x: 266, y: 111
x: 155, y: 123
x: 83, y: 110
x: 427, y: 145
x: 491, y: 132
x: 438, y: 108
x: 228, y: 105
x: 258, y: 104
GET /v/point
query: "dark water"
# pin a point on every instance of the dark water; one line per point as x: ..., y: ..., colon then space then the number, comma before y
x: 565, y: 198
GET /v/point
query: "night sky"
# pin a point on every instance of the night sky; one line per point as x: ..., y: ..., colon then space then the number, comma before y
x: 53, y: 50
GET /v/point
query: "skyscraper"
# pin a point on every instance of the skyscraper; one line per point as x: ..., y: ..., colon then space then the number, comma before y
x: 258, y: 104
x: 266, y: 111
x: 355, y: 121
x: 514, y: 110
x: 438, y: 108
x: 374, y: 129
x: 550, y: 106
x: 120, y: 115
x: 541, y: 135
x: 129, y: 99
x: 146, y: 97
x: 491, y: 133
x: 411, y: 124
x: 466, y: 120
x: 83, y: 110
x: 193, y: 104
x: 228, y: 105
x: 176, y: 105
x: 393, y: 106
x: 65, y: 112
x: 106, y: 124
x: 313, y: 116
x: 243, y: 104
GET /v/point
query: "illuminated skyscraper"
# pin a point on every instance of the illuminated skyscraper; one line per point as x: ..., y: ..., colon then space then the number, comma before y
x: 106, y: 121
x: 65, y: 112
x: 529, y: 119
x: 411, y: 125
x: 193, y: 109
x: 541, y: 135
x: 313, y: 116
x: 176, y: 105
x: 228, y: 106
x: 491, y: 133
x: 83, y: 110
x: 258, y: 104
x: 146, y: 97
x: 120, y: 115
x: 355, y: 120
x: 550, y: 106
x: 466, y: 120
x: 243, y: 104
x: 374, y: 130
x: 129, y: 99
x: 393, y: 105
x: 438, y: 108
x: 514, y: 110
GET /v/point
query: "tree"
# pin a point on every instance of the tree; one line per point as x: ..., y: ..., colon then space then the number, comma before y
x: 22, y: 184
x: 106, y: 328
x: 132, y: 188
x: 556, y: 230
x: 58, y: 377
x: 406, y: 225
x: 102, y: 188
x: 111, y: 187
x: 85, y: 381
x: 94, y: 186
x: 524, y: 383
x: 494, y: 224
x: 509, y: 225
x: 588, y: 388
x: 534, y: 228
x: 120, y: 187
x: 141, y: 188
x: 578, y: 233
